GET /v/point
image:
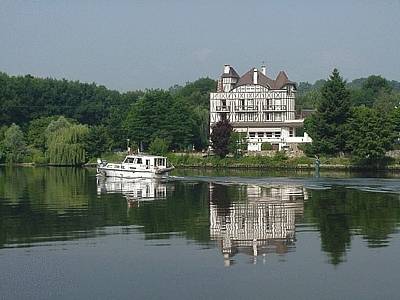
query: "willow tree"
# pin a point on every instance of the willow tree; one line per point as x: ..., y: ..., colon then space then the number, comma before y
x: 65, y: 146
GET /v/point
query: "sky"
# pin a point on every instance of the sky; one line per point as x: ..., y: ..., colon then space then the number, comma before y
x: 131, y: 44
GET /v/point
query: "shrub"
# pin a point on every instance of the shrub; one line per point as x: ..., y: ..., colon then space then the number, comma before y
x: 266, y: 146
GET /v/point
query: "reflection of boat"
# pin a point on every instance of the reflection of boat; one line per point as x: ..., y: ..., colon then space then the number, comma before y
x: 134, y: 190
x: 263, y: 223
x: 135, y: 166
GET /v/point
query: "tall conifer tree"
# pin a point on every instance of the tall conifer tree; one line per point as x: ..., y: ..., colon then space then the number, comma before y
x: 328, y: 126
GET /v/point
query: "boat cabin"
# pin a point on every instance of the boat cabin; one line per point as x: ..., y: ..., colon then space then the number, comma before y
x: 148, y: 161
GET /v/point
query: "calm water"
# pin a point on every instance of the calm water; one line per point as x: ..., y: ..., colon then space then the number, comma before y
x: 198, y: 235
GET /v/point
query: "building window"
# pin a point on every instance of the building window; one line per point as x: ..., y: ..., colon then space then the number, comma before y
x: 268, y: 134
x: 291, y: 132
x: 252, y: 134
x: 277, y: 134
x: 250, y: 103
x: 260, y: 134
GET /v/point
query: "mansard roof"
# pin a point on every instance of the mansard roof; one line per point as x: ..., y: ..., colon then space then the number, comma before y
x: 263, y: 80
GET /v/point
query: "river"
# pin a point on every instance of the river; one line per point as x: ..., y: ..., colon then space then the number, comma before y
x: 199, y: 234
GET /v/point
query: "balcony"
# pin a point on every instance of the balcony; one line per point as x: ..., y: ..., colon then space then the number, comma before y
x: 223, y: 108
x: 244, y: 108
x: 274, y: 108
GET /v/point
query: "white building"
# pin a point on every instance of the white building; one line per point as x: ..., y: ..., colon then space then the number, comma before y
x: 258, y: 106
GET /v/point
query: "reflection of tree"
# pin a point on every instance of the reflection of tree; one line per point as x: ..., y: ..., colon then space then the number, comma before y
x: 341, y: 212
x: 41, y: 202
x: 185, y: 210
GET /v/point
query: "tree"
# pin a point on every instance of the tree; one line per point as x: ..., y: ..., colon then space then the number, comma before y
x: 220, y: 135
x: 65, y: 146
x: 371, y: 135
x: 97, y: 141
x: 158, y: 147
x: 327, y: 126
x: 386, y: 102
x: 237, y: 143
x: 14, y: 146
x: 158, y: 114
x: 36, y: 132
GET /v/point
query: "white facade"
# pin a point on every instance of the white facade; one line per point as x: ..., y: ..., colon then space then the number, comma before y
x: 261, y: 108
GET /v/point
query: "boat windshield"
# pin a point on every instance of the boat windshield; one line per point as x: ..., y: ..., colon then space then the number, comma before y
x: 128, y: 160
x: 160, y: 161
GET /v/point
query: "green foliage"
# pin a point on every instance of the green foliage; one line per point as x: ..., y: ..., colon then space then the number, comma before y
x: 36, y: 135
x: 327, y: 126
x: 370, y: 135
x: 220, y: 137
x: 280, y: 156
x: 37, y: 157
x: 14, y: 146
x: 237, y: 143
x: 65, y: 145
x: 386, y: 102
x: 97, y: 141
x: 266, y: 146
x: 308, y: 100
x: 158, y: 147
x: 158, y: 114
x: 196, y: 97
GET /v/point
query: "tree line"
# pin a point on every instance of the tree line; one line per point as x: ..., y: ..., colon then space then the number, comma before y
x: 68, y: 122
x: 364, y: 128
x: 37, y: 115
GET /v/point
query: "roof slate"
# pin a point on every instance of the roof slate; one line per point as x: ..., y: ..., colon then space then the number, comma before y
x: 247, y: 79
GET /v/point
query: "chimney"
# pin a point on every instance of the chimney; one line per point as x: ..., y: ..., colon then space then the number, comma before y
x: 264, y: 70
x: 227, y: 68
x: 255, y: 76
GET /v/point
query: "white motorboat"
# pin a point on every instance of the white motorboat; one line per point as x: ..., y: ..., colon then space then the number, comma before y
x: 135, y: 166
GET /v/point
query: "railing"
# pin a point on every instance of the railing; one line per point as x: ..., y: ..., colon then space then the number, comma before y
x: 246, y: 108
x: 274, y: 108
x: 223, y: 108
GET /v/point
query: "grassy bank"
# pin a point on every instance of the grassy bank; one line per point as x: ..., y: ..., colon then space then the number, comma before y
x: 278, y: 161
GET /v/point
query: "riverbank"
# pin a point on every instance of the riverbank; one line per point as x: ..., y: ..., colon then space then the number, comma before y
x: 279, y: 161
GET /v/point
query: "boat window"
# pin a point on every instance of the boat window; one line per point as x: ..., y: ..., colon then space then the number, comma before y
x: 160, y: 161
x: 139, y: 160
x: 129, y: 160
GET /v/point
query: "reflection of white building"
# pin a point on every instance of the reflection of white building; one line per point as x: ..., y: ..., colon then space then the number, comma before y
x: 264, y: 223
x: 134, y: 190
x: 260, y: 107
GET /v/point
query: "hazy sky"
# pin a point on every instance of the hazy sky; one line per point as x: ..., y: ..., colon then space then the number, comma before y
x: 127, y: 45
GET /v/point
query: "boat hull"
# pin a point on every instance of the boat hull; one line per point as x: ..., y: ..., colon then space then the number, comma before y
x: 107, y: 172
